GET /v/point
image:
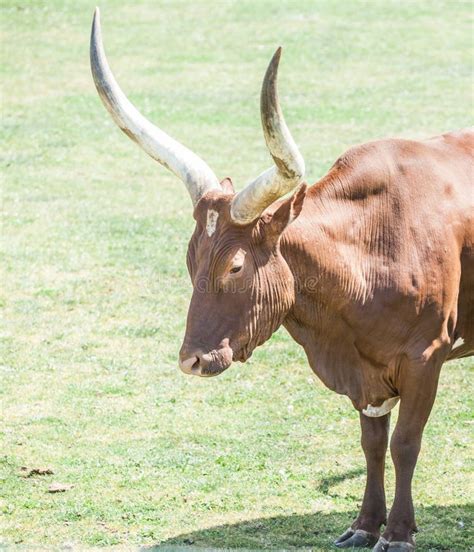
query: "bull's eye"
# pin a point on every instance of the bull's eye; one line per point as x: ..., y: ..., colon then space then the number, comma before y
x: 237, y: 262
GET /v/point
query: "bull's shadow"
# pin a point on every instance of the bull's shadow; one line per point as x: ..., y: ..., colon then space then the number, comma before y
x: 443, y: 528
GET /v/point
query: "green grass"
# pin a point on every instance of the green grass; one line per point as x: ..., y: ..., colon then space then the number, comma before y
x: 94, y: 289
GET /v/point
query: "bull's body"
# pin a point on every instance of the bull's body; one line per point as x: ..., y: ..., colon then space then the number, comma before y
x: 383, y: 257
x: 371, y: 270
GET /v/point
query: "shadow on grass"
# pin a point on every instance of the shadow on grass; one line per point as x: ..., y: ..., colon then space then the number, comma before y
x: 443, y: 528
x: 333, y: 479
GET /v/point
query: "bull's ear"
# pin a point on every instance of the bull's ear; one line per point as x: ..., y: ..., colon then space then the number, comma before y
x: 288, y: 211
x: 227, y: 186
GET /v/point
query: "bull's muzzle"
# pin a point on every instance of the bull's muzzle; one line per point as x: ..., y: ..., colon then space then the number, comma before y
x: 198, y: 363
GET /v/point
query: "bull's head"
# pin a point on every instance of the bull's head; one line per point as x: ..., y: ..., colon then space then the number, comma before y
x: 243, y: 287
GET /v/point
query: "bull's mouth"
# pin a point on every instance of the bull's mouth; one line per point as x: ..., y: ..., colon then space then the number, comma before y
x: 214, y: 362
x: 206, y: 365
x: 215, y: 369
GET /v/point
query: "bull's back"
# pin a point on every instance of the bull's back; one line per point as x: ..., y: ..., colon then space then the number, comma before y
x: 399, y: 214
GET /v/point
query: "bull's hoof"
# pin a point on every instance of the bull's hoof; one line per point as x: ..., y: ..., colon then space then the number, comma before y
x: 383, y: 545
x: 355, y: 538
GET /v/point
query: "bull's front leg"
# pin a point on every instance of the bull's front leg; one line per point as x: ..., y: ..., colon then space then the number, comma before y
x: 416, y: 400
x: 366, y: 528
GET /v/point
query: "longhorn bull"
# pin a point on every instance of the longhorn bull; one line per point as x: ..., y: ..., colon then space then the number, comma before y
x: 371, y: 271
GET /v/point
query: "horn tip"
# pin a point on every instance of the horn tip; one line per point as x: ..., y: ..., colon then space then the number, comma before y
x: 95, y: 31
x: 275, y: 61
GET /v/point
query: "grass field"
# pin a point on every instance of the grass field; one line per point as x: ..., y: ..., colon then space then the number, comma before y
x: 94, y: 288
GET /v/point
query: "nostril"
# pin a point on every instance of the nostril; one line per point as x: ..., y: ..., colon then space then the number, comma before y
x: 189, y: 364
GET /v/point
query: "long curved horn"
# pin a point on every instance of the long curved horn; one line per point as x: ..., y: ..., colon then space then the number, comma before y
x: 185, y: 164
x: 289, y: 168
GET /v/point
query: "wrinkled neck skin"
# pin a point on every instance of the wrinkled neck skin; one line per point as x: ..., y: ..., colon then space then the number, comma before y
x: 305, y: 248
x: 264, y: 321
x: 325, y: 305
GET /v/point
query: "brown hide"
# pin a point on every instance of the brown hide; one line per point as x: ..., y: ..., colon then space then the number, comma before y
x: 374, y: 267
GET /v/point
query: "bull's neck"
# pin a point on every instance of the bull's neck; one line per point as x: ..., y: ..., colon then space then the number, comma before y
x: 310, y: 254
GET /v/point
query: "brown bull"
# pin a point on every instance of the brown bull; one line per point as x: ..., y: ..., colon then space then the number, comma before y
x: 371, y: 270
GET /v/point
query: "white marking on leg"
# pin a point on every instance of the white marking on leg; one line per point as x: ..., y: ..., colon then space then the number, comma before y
x: 211, y: 223
x: 384, y: 408
x: 459, y: 342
